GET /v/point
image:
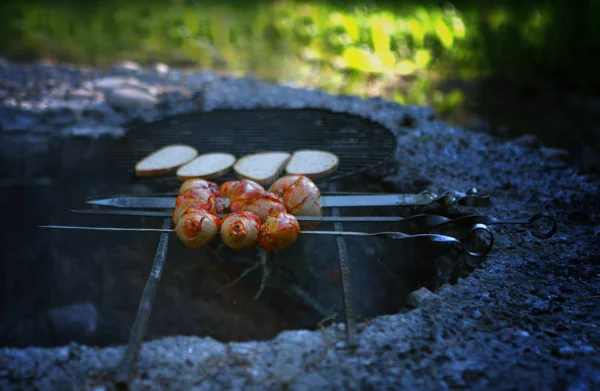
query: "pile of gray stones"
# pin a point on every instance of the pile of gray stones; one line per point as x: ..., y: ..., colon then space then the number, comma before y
x: 527, y: 319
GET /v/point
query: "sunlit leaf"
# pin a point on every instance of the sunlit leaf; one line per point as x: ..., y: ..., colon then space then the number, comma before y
x: 425, y: 17
x: 380, y: 31
x: 498, y: 18
x: 351, y: 28
x: 399, y: 98
x: 454, y: 98
x: 459, y: 27
x: 220, y: 32
x: 417, y: 32
x: 437, y: 97
x: 444, y: 33
x: 405, y: 67
x: 191, y: 21
x: 361, y: 59
x: 422, y: 58
x: 336, y: 18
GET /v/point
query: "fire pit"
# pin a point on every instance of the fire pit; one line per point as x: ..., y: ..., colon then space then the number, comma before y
x: 195, y: 299
x: 86, y: 286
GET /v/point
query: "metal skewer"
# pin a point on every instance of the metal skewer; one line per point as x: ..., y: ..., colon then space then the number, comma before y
x: 431, y: 238
x: 126, y: 367
x: 347, y: 291
x: 420, y: 199
x: 424, y: 221
x: 176, y: 193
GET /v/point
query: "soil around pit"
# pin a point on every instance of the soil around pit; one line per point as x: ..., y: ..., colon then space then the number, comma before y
x: 528, y: 318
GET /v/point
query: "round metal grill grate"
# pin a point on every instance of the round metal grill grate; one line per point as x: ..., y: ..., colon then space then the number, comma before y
x: 359, y: 143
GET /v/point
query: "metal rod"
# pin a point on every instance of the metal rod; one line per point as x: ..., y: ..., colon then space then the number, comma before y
x: 347, y: 292
x: 423, y: 221
x: 168, y: 230
x: 76, y: 227
x: 126, y: 367
x: 176, y: 193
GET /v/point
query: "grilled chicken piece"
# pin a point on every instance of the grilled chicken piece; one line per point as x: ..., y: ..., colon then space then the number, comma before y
x: 197, y: 227
x: 278, y: 231
x: 240, y: 230
x: 198, y: 183
x: 197, y: 198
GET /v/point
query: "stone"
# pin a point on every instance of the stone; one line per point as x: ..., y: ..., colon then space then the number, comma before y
x: 419, y: 297
x: 529, y: 141
x: 161, y: 68
x: 128, y: 98
x: 12, y: 118
x: 74, y: 322
x: 80, y: 93
x: 93, y: 131
x: 112, y: 83
x: 126, y: 66
x: 173, y: 93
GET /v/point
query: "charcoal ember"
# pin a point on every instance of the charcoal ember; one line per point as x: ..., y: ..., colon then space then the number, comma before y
x: 73, y: 322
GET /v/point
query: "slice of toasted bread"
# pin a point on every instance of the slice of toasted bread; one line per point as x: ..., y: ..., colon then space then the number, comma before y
x: 263, y: 168
x: 314, y: 164
x: 207, y: 166
x: 165, y: 160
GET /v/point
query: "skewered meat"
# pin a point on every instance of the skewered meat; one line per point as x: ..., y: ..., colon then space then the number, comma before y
x: 197, y: 227
x: 259, y: 202
x: 204, y: 195
x: 198, y: 183
x: 201, y: 198
x: 278, y: 231
x: 240, y: 230
x: 300, y: 197
x: 280, y: 185
x: 246, y: 195
x: 233, y: 189
x: 197, y: 204
x: 238, y: 190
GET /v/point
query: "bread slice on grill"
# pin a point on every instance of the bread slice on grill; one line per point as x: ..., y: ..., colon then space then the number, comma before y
x: 165, y: 160
x: 262, y: 168
x: 314, y: 164
x: 207, y: 166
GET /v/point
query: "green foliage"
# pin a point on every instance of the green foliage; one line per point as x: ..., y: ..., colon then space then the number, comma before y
x: 336, y: 46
